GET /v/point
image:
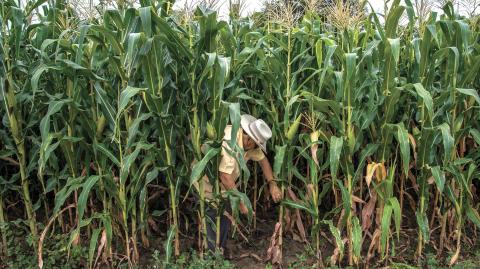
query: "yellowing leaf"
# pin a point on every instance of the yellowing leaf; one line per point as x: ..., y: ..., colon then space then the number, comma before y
x: 381, y: 172
x: 371, y: 168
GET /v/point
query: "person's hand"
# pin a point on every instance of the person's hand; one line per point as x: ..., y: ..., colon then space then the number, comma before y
x: 243, y: 208
x: 275, y: 191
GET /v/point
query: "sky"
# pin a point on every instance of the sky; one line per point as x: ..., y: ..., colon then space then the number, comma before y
x: 256, y: 5
x: 250, y: 5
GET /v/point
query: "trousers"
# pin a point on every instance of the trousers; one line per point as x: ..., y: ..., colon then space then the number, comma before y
x: 212, y: 231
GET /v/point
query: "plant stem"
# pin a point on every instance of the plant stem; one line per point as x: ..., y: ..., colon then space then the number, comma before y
x: 3, y: 230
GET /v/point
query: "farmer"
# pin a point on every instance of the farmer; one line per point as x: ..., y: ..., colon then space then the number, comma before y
x: 252, y: 138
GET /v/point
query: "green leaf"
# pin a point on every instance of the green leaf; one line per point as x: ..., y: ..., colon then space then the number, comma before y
x: 439, y: 177
x: 73, y: 65
x: 129, y: 159
x: 476, y: 135
x: 338, y: 238
x: 470, y: 92
x: 37, y: 74
x: 397, y: 213
x: 53, y: 107
x: 403, y: 141
x: 106, y: 107
x: 32, y: 5
x: 279, y: 158
x: 336, y: 144
x: 125, y: 97
x: 346, y: 199
x: 107, y: 223
x: 473, y: 215
x: 447, y: 141
x: 133, y: 129
x: 112, y: 41
x: 169, y: 243
x: 61, y: 196
x: 426, y: 97
x: 93, y: 246
x: 82, y: 199
x: 234, y: 109
x: 367, y: 151
x: 103, y: 149
x: 422, y: 222
x: 385, y: 227
x: 199, y: 167
x: 296, y: 205
x: 46, y: 150
x: 393, y: 17
x: 319, y: 52
x: 395, y: 48
x: 146, y: 18
x: 235, y: 197
x: 356, y: 236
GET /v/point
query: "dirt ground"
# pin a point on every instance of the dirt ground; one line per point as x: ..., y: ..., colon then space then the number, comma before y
x: 249, y: 254
x: 252, y: 255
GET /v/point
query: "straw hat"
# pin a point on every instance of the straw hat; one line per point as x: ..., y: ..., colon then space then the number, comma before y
x: 257, y: 129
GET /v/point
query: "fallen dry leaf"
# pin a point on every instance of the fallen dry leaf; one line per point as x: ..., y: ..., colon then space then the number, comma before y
x: 251, y: 255
x: 274, y: 253
x: 103, y: 241
x: 44, y: 233
x: 373, y: 244
x: 454, y: 258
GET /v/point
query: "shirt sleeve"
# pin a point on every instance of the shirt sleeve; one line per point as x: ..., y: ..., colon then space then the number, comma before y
x: 255, y: 155
x: 227, y: 163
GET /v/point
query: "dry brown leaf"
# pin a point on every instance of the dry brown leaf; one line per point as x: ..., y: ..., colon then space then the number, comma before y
x: 357, y: 199
x: 412, y: 141
x: 292, y: 195
x: 234, y: 223
x: 300, y: 227
x: 277, y: 255
x: 336, y: 257
x: 310, y: 191
x: 371, y: 167
x: 145, y: 241
x: 296, y: 237
x: 10, y: 160
x: 298, y: 221
x: 84, y: 172
x: 287, y: 220
x: 101, y: 247
x: 367, y: 212
x: 373, y: 244
x: 152, y: 224
x: 274, y: 253
x: 339, y: 223
x: 454, y: 258
x: 381, y: 172
x: 76, y: 240
x: 44, y: 233
x: 414, y: 147
x: 251, y: 255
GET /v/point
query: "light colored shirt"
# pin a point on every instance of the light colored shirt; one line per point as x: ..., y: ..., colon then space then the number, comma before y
x: 228, y: 163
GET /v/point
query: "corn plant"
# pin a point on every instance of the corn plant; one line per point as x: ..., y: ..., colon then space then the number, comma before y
x: 106, y: 122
